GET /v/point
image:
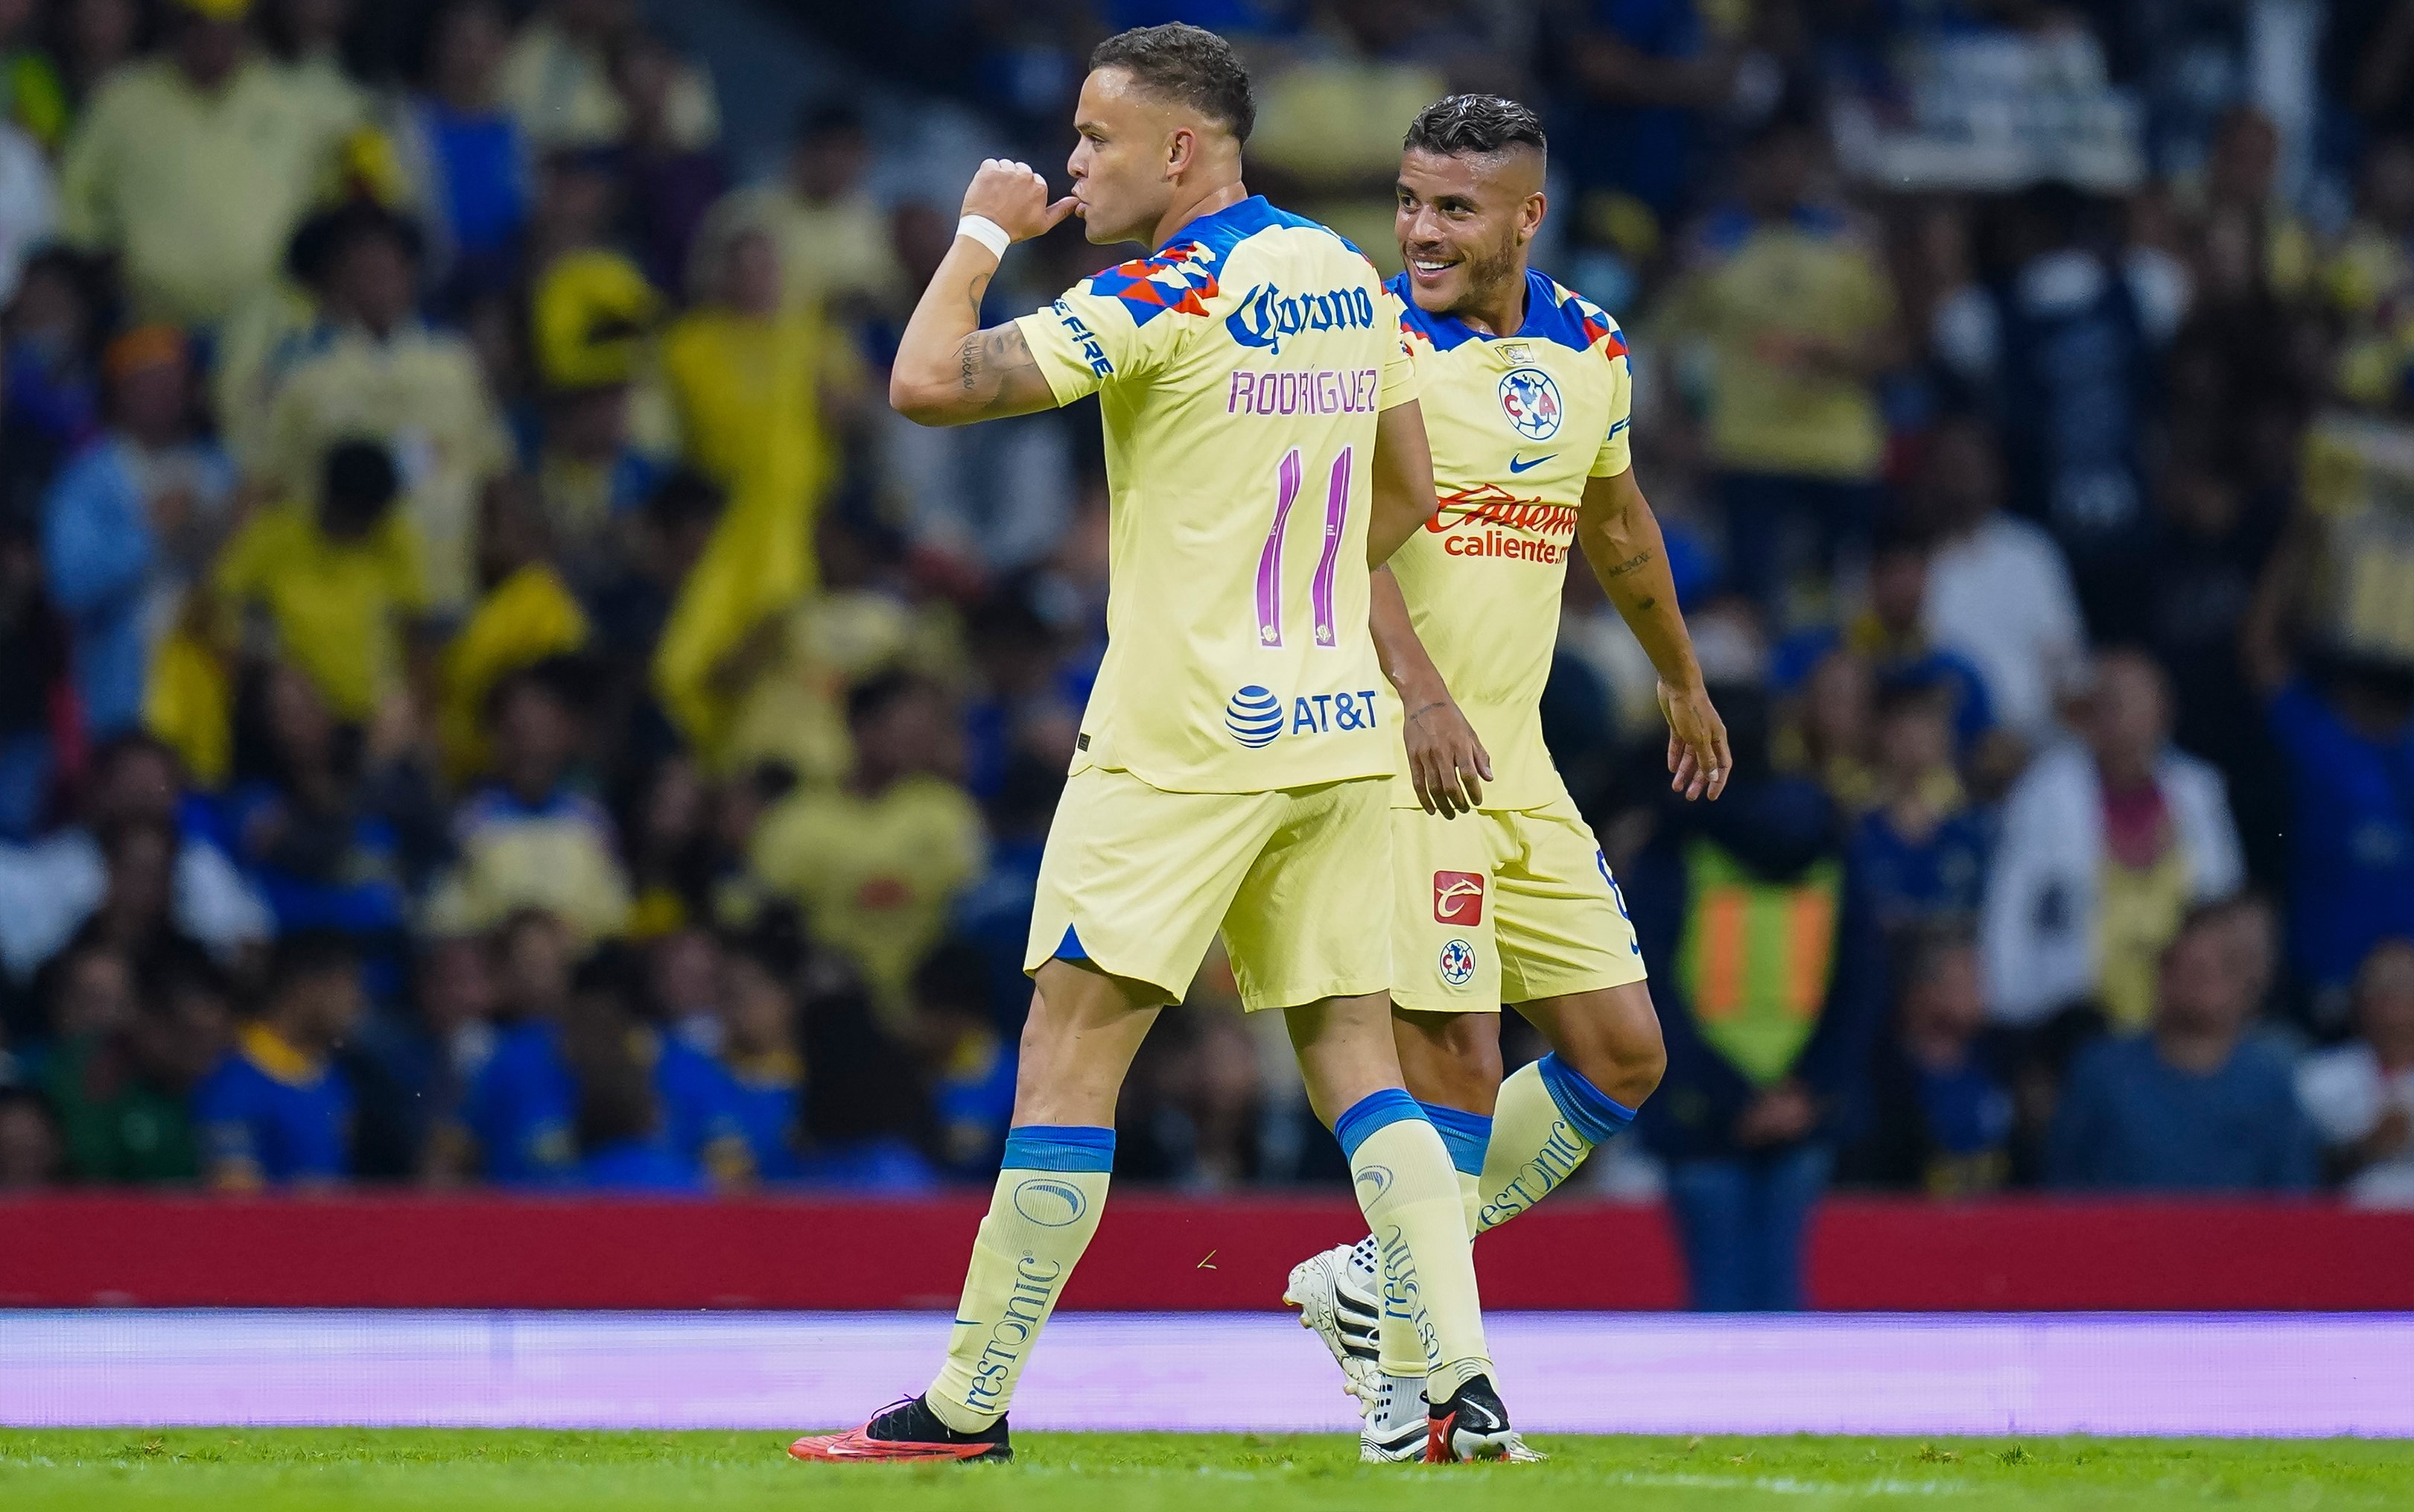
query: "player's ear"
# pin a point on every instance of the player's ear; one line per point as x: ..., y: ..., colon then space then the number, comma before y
x: 1530, y: 216
x: 1181, y: 152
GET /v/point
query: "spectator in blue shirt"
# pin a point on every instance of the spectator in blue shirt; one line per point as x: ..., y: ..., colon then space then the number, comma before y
x: 1645, y: 72
x: 329, y: 843
x: 521, y: 1120
x: 630, y: 1090
x: 1920, y: 854
x: 130, y: 524
x: 2194, y: 1103
x: 969, y: 1064
x: 2348, y: 745
x: 470, y: 150
x: 278, y: 1112
x: 759, y: 1054
x: 1940, y: 1104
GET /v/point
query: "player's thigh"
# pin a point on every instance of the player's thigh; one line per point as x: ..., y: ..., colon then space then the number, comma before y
x: 1306, y: 923
x: 1136, y: 879
x: 1562, y: 925
x: 1445, y: 954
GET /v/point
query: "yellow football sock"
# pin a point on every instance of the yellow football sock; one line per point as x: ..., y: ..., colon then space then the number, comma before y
x: 1049, y: 1192
x: 1547, y: 1120
x: 1397, y: 1349
x: 1405, y: 1186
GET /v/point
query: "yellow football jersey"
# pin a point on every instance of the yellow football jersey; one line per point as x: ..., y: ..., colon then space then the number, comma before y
x: 1517, y: 424
x: 1239, y: 368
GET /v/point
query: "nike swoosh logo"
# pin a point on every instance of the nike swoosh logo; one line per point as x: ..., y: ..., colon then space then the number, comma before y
x: 1519, y: 465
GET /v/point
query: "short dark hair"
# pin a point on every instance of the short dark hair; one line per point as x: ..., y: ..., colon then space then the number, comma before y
x: 360, y: 480
x: 824, y: 119
x: 1189, y: 64
x: 305, y: 955
x: 883, y: 691
x: 1460, y: 126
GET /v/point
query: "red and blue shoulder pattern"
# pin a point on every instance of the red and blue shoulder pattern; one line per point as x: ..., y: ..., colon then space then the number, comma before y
x: 1178, y: 276
x: 1182, y: 274
x: 1553, y: 313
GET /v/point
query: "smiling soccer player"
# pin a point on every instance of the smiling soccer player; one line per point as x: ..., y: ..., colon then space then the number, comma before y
x: 1527, y: 401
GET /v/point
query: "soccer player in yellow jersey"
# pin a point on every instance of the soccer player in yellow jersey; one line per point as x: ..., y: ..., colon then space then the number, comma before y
x: 1264, y: 448
x: 1527, y: 401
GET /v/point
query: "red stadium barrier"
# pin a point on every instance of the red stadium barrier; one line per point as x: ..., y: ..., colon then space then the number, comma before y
x: 1153, y: 1253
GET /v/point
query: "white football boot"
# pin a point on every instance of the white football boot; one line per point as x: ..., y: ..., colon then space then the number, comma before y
x: 1339, y: 1295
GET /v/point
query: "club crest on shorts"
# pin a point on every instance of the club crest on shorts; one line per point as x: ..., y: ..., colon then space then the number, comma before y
x: 1458, y: 963
x: 1530, y: 399
x: 1458, y: 898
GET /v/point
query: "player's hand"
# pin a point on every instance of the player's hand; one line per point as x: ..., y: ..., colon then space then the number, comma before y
x: 1015, y: 197
x: 1699, y: 762
x: 1447, y: 764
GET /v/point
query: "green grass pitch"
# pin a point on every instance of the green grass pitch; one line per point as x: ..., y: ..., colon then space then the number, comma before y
x: 337, y: 1470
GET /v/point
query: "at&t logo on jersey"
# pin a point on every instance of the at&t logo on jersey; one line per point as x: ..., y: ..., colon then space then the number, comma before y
x: 1530, y: 399
x: 1255, y: 717
x: 1458, y: 963
x: 1458, y: 898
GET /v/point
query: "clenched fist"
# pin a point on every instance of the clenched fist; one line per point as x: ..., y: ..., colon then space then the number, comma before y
x: 1015, y: 197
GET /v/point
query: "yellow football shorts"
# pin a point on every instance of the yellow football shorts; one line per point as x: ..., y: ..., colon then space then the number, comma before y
x: 1138, y: 880
x: 1504, y: 905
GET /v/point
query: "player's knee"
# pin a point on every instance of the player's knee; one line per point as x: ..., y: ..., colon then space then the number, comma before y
x: 1617, y: 1046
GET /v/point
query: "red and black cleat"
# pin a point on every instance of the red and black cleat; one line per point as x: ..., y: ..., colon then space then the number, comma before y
x: 907, y: 1429
x: 1472, y: 1424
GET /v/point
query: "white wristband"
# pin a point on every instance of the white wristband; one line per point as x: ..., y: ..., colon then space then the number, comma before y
x: 987, y: 233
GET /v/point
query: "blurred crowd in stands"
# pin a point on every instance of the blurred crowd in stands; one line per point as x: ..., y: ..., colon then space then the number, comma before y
x: 490, y: 693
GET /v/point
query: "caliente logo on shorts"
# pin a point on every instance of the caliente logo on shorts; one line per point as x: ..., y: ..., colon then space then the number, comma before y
x: 1458, y: 898
x: 1049, y: 1203
x: 1458, y: 963
x: 1255, y: 716
x: 1530, y: 399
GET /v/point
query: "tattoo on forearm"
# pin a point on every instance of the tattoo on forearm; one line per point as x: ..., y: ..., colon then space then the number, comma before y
x: 1633, y: 564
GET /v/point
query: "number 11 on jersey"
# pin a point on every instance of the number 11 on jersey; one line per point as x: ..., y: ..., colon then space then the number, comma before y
x: 1319, y: 588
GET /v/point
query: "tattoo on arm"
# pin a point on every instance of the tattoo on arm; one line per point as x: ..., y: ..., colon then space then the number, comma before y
x: 990, y: 359
x: 1631, y: 563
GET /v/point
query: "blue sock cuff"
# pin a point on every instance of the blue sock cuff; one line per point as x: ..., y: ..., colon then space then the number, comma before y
x: 1593, y: 1113
x: 1059, y: 1147
x: 1468, y: 1134
x: 1375, y: 1110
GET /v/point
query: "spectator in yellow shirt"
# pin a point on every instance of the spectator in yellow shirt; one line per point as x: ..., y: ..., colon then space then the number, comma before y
x: 529, y: 839
x: 196, y: 166
x: 1798, y: 318
x: 339, y: 586
x: 528, y: 616
x: 835, y: 251
x: 559, y: 79
x: 876, y: 861
x: 746, y: 377
x: 373, y: 368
